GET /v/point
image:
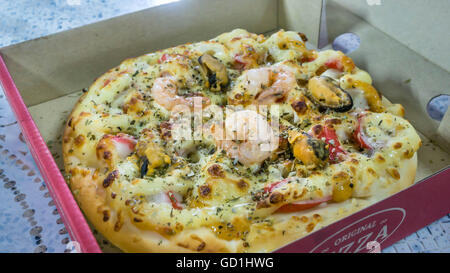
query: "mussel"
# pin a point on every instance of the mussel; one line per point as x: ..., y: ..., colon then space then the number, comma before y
x: 311, y: 151
x: 326, y: 94
x: 215, y: 71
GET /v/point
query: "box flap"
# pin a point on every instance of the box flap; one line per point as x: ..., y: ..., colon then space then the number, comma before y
x: 301, y: 15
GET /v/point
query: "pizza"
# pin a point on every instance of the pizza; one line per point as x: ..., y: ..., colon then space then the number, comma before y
x: 243, y: 143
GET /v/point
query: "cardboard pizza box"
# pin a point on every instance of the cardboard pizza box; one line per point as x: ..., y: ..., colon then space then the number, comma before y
x: 401, y: 46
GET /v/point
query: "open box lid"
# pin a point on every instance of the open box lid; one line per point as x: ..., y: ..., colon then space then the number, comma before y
x: 50, y: 70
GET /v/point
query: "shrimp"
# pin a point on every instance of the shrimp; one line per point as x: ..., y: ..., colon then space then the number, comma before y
x: 248, y: 137
x: 263, y: 86
x: 164, y: 92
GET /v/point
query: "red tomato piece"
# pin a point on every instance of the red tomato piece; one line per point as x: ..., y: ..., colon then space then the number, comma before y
x: 126, y: 140
x: 360, y: 136
x: 163, y: 58
x: 334, y: 145
x: 335, y: 64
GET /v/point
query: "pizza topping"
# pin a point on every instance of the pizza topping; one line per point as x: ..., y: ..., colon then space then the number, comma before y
x: 124, y: 144
x: 263, y: 86
x: 215, y: 71
x: 269, y: 188
x: 311, y: 151
x: 373, y: 140
x: 164, y: 92
x: 240, y: 63
x: 110, y: 178
x: 342, y: 186
x: 360, y: 136
x: 151, y: 158
x: 371, y: 95
x: 216, y: 171
x: 341, y: 63
x: 112, y: 148
x: 175, y: 200
x: 240, y: 170
x: 326, y: 93
x: 204, y: 190
x: 300, y: 106
x: 248, y: 137
x: 170, y: 197
x: 329, y: 136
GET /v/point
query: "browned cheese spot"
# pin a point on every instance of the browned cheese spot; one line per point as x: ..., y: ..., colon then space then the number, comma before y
x: 216, y: 171
x: 300, y: 106
x: 107, y: 155
x: 119, y: 223
x: 394, y: 173
x: 79, y: 140
x: 380, y: 158
x: 241, y: 184
x: 179, y: 227
x: 201, y: 246
x: 408, y: 154
x: 317, y: 129
x: 372, y: 172
x: 110, y: 178
x: 317, y: 217
x: 276, y: 197
x: 106, y: 215
x: 204, y: 190
x: 333, y: 121
x: 398, y: 145
x: 310, y: 227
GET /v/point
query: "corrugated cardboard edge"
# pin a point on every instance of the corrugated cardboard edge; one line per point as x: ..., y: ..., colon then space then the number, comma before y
x: 71, y: 215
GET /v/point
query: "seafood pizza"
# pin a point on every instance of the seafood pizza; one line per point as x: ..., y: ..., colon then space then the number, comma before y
x: 242, y: 143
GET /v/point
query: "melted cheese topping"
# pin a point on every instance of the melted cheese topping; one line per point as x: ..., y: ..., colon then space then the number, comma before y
x: 168, y: 184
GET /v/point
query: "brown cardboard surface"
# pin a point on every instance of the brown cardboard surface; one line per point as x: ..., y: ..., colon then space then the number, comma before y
x: 420, y: 25
x: 49, y: 72
x: 303, y: 16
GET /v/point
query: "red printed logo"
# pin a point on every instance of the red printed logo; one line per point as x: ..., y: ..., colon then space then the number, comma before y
x: 364, y: 235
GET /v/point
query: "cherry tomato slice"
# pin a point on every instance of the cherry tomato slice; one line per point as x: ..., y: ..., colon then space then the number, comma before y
x: 334, y: 146
x: 335, y: 64
x: 360, y: 136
